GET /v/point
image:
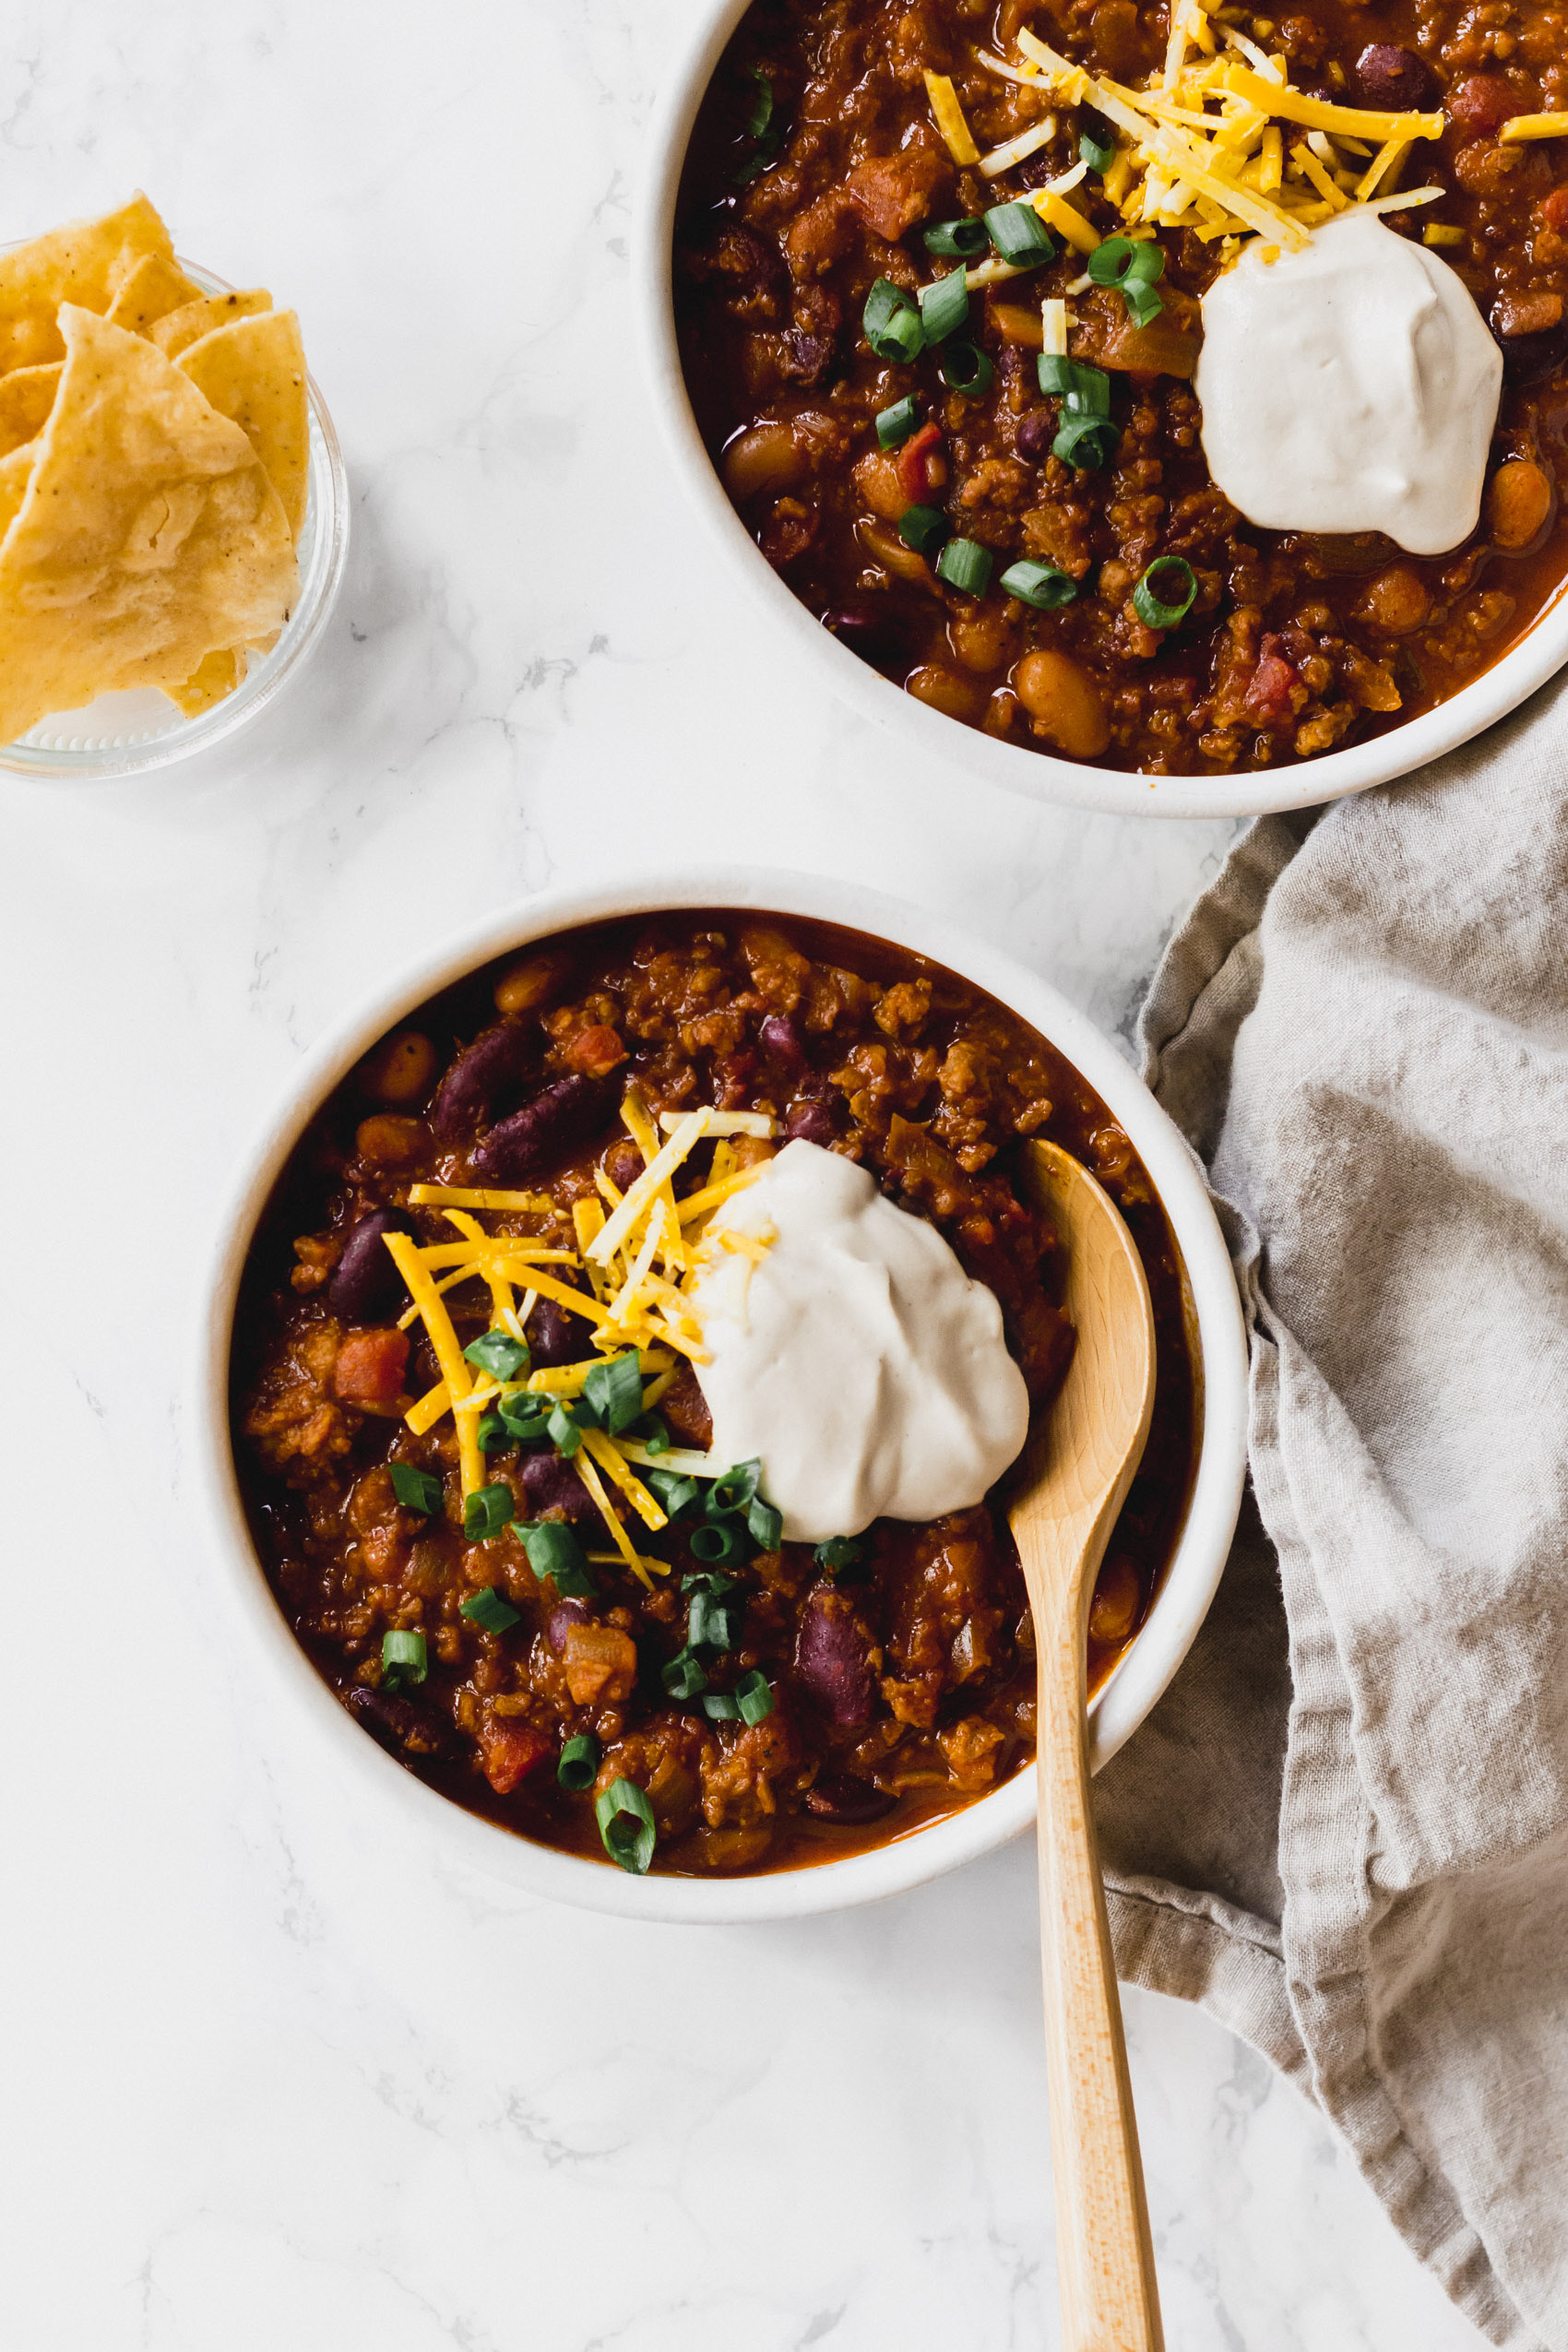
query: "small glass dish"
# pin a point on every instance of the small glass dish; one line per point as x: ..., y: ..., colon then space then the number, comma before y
x: 131, y: 732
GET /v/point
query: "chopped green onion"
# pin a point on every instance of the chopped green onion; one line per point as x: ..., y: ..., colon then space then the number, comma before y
x: 673, y: 1490
x: 895, y: 424
x: 1085, y: 441
x: 526, y: 1416
x: 965, y: 564
x: 553, y: 1551
x: 1040, y: 585
x: 761, y: 115
x: 922, y: 528
x: 626, y: 1826
x: 1085, y: 390
x: 656, y: 1434
x: 1157, y: 611
x: 956, y: 239
x: 1019, y: 235
x: 1144, y: 304
x: 486, y: 1512
x: 837, y: 1552
x: 566, y: 1433
x: 486, y: 1608
x: 403, y: 1658
x: 753, y: 1697
x: 717, y: 1539
x: 499, y: 1354
x: 615, y: 1390
x: 766, y: 1525
x: 1125, y: 261
x: 715, y: 1617
x: 967, y: 368
x: 945, y: 306
x: 415, y: 1490
x: 579, y: 1762
x: 495, y: 1436
x: 1099, y: 154
x: 683, y: 1677
x: 719, y: 1707
x: 736, y: 1490
x: 892, y: 323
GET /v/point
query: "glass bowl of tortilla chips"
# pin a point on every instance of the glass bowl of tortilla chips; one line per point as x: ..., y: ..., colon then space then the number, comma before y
x: 173, y: 507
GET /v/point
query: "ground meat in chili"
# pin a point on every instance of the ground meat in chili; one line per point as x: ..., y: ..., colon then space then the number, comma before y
x: 902, y: 1682
x: 1296, y: 643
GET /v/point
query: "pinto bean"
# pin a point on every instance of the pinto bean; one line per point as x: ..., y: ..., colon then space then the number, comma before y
x: 499, y: 1061
x: 1518, y: 505
x: 881, y: 486
x: 885, y: 547
x: 1396, y: 79
x: 1118, y: 1596
x: 387, y: 1139
x: 1396, y: 602
x: 763, y: 462
x: 365, y: 1284
x: 560, y: 1115
x: 552, y: 1484
x: 522, y: 987
x: 1064, y: 705
x: 840, y: 1797
x: 400, y: 1070
x: 833, y: 1656
x: 947, y: 690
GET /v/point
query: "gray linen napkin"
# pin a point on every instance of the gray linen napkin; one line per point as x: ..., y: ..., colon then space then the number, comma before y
x: 1344, y: 1829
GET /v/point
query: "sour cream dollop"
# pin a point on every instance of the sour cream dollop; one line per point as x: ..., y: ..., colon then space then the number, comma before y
x: 856, y: 1358
x: 1351, y: 386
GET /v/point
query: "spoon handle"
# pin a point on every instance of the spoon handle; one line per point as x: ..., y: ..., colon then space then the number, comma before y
x: 1105, y: 2262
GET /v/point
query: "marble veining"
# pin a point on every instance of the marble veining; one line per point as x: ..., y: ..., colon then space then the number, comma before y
x: 280, y: 2072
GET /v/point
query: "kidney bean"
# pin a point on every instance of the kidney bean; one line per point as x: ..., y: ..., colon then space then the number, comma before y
x: 563, y: 1617
x: 549, y: 1330
x: 783, y: 1040
x: 544, y: 1129
x: 1064, y: 703
x: 401, y: 1070
x: 1033, y: 435
x: 552, y: 1484
x: 873, y: 631
x: 1482, y: 104
x: 1397, y: 78
x: 365, y: 1285
x: 840, y: 1797
x: 1529, y: 356
x: 811, y: 1121
x: 499, y: 1061
x: 402, y: 1723
x: 833, y: 1658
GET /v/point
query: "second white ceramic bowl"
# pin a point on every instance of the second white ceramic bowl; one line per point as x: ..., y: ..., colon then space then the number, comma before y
x: 1538, y: 655
x: 1179, y: 1607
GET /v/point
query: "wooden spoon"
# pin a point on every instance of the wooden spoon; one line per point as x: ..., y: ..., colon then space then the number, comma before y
x: 1077, y: 1473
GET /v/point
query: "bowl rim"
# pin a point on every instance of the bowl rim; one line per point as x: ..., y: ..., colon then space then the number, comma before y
x: 1041, y: 775
x: 329, y: 488
x: 1190, y: 1581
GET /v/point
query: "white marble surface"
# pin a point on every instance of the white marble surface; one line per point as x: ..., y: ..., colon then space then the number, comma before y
x: 276, y: 2073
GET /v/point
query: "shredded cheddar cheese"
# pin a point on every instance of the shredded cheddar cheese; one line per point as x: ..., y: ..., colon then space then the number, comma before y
x: 1534, y: 127
x: 949, y: 118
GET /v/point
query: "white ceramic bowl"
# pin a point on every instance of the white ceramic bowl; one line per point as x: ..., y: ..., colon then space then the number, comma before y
x: 1539, y: 654
x: 1183, y: 1597
x: 131, y: 732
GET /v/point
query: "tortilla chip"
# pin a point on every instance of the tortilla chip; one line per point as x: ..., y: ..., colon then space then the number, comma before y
x: 85, y: 262
x: 208, y: 683
x: 153, y: 289
x: 16, y: 472
x: 27, y: 395
x: 150, y: 535
x: 186, y: 325
x: 254, y: 372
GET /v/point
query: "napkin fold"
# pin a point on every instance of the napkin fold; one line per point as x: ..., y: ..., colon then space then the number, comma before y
x: 1345, y: 1828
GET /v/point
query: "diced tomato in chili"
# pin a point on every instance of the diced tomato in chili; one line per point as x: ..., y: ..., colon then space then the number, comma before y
x: 510, y: 1751
x: 922, y: 464
x: 370, y: 1367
